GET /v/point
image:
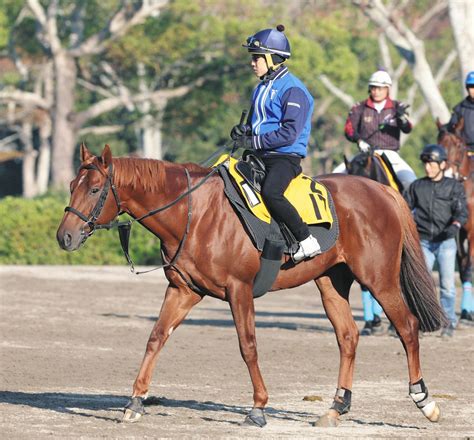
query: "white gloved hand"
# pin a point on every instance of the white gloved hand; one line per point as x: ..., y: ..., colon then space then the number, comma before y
x: 364, y: 146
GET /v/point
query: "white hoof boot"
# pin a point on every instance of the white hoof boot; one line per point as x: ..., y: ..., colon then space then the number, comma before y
x: 309, y: 248
x: 419, y: 394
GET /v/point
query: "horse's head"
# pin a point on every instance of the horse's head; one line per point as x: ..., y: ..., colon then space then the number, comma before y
x: 359, y: 165
x: 91, y: 203
x: 453, y: 143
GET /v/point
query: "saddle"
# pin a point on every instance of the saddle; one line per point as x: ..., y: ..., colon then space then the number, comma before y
x: 252, y: 169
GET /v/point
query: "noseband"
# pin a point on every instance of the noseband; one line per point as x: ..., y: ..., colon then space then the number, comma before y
x: 91, y: 221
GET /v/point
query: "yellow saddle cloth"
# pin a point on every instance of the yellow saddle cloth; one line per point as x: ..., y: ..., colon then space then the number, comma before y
x: 309, y: 197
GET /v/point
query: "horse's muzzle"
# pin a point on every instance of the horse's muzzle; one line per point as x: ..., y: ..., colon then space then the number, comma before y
x: 69, y: 240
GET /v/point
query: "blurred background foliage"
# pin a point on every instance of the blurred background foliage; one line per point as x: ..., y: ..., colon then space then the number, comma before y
x: 202, y: 39
x: 29, y: 236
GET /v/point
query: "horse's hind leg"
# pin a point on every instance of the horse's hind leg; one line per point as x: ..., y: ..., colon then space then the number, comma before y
x: 407, y: 325
x: 176, y: 305
x: 334, y: 288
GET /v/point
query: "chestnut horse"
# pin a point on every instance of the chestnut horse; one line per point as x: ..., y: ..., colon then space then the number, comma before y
x: 378, y: 246
x: 461, y: 163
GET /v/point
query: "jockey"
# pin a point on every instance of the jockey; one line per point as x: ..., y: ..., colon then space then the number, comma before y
x: 465, y: 109
x: 280, y: 124
x: 377, y: 122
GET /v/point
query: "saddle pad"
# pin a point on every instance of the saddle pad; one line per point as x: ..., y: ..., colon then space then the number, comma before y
x: 308, y: 196
x: 258, y: 229
x: 385, y: 164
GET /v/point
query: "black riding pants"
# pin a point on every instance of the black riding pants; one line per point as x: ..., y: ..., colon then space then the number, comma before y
x: 280, y: 171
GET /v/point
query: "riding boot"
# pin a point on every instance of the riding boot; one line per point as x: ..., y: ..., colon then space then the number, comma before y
x: 377, y: 327
x: 309, y: 248
x: 368, y: 329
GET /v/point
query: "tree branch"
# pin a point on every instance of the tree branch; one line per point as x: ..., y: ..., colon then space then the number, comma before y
x: 126, y: 17
x: 336, y: 91
x: 100, y: 130
x: 24, y: 98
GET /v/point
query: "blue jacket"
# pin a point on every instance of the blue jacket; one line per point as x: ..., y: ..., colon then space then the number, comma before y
x: 281, y: 115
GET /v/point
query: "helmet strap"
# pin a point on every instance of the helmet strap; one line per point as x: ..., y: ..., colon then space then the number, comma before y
x: 270, y: 63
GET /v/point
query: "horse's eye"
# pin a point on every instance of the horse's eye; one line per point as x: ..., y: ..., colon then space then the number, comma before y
x: 94, y: 190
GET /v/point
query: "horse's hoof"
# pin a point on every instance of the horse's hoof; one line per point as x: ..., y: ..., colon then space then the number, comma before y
x: 432, y: 412
x: 130, y: 416
x: 327, y: 421
x: 256, y: 417
x: 134, y: 409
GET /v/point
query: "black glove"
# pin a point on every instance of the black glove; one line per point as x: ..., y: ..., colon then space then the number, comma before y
x: 401, y: 111
x: 238, y: 131
x: 450, y: 232
x: 244, y: 141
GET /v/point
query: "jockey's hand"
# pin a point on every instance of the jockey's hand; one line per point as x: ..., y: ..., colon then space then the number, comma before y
x: 363, y: 146
x: 402, y: 112
x: 244, y: 141
x: 238, y: 131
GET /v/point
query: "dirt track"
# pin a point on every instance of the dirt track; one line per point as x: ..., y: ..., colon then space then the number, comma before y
x: 72, y: 339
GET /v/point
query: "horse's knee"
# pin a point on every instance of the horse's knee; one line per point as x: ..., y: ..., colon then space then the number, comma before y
x: 155, y: 343
x: 249, y: 352
x: 348, y: 341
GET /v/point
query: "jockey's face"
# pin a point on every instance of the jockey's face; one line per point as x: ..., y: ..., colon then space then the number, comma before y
x: 259, y: 65
x: 378, y: 94
x: 434, y: 170
x: 470, y: 91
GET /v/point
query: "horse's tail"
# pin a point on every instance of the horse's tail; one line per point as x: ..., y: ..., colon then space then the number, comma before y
x: 416, y: 282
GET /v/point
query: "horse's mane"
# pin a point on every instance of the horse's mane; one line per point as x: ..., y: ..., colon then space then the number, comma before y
x: 149, y: 174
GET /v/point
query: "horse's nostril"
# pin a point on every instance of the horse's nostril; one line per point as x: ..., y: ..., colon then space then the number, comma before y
x: 67, y: 239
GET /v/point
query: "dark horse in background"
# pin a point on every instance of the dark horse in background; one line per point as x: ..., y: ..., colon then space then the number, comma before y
x: 219, y: 259
x: 373, y: 166
x: 461, y: 164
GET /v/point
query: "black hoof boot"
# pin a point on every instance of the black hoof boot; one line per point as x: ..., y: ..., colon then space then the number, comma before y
x: 256, y: 417
x: 134, y: 409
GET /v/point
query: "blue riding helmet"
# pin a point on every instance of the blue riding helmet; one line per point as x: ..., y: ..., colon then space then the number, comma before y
x: 470, y: 79
x: 272, y: 43
x: 433, y: 153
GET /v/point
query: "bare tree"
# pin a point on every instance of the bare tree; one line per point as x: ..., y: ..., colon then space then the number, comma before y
x: 66, y: 122
x: 461, y: 14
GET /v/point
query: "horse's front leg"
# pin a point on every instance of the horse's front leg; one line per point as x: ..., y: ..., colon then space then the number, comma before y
x: 176, y: 305
x: 241, y: 304
x: 334, y: 293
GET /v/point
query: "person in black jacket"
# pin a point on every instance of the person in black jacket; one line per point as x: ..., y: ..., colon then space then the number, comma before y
x: 465, y: 110
x: 439, y: 208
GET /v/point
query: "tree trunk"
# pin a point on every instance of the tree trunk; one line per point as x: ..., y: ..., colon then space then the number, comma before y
x: 427, y: 84
x: 29, y: 160
x: 64, y: 133
x: 44, y: 156
x: 461, y: 14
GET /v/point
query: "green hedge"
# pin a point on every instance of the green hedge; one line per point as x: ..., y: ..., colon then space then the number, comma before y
x: 28, y: 236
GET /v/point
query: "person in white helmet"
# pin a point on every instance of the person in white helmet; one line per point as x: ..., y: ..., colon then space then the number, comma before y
x: 376, y: 123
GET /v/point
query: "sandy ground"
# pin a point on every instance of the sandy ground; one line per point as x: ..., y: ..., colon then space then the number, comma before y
x: 72, y: 339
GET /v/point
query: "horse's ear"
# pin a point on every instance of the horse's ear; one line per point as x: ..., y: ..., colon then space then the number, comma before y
x: 438, y: 124
x: 347, y: 163
x: 85, y: 153
x: 459, y: 127
x: 106, y: 156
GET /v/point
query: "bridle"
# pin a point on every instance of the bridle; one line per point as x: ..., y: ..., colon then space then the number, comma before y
x: 125, y: 227
x: 461, y: 152
x: 91, y: 220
